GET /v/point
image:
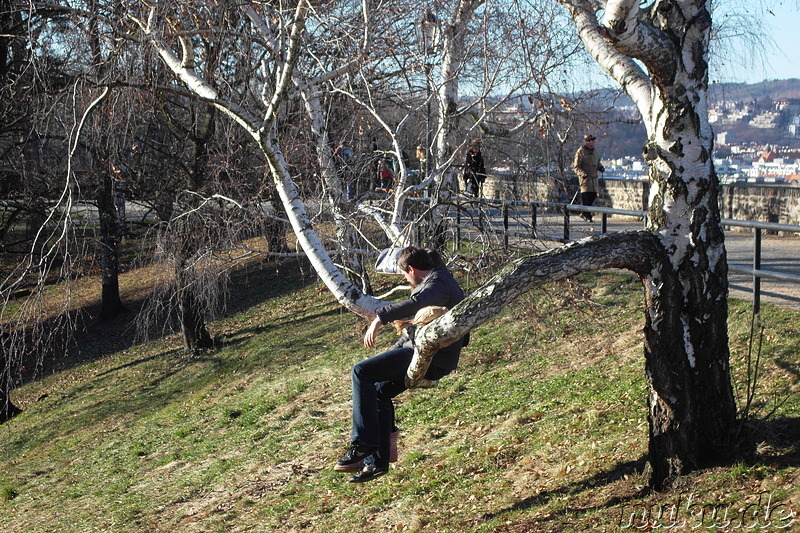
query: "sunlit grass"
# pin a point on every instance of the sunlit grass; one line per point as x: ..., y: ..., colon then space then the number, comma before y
x: 542, y: 428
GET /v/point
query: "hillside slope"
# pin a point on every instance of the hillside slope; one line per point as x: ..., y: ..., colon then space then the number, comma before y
x: 542, y: 428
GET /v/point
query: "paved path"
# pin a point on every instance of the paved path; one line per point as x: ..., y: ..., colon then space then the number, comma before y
x: 778, y: 253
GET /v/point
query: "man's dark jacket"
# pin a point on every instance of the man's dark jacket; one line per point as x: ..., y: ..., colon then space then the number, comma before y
x: 474, y: 167
x: 438, y: 288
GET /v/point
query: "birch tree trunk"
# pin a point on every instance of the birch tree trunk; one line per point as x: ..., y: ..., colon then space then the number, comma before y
x: 336, y: 195
x: 692, y: 410
x: 681, y: 259
x: 446, y: 181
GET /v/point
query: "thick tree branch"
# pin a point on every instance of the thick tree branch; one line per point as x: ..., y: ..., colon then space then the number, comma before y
x: 638, y: 34
x: 617, y: 64
x: 637, y: 251
x: 631, y: 32
x: 287, y: 69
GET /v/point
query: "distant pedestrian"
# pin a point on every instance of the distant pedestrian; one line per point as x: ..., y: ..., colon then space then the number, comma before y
x: 385, y: 174
x: 422, y: 157
x: 474, y: 169
x: 586, y: 165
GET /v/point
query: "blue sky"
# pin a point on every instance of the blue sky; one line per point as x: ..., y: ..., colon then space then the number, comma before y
x: 741, y: 55
x: 780, y: 20
x: 786, y: 32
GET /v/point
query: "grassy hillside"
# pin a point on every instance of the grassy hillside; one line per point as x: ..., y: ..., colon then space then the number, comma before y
x: 542, y: 428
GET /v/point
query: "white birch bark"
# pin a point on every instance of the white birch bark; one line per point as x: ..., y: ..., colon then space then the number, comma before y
x: 261, y: 129
x: 658, y: 56
x: 455, y: 34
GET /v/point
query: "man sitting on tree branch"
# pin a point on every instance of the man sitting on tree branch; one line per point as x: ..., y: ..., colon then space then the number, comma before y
x: 378, y: 379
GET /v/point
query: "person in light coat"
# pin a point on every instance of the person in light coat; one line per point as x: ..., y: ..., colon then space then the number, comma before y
x: 586, y: 165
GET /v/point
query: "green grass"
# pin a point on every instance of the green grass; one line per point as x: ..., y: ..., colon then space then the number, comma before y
x: 542, y: 428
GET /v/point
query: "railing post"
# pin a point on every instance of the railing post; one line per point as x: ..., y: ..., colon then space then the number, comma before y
x: 603, y: 223
x: 458, y: 224
x: 566, y: 224
x: 533, y: 219
x: 505, y: 226
x: 756, y: 266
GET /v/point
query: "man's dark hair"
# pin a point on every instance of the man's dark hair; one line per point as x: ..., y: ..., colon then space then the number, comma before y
x: 436, y: 257
x: 416, y: 257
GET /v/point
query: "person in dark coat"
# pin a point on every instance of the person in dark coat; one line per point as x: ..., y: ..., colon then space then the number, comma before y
x: 380, y: 378
x: 474, y: 170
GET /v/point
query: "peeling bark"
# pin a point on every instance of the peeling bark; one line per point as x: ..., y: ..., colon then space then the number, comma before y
x: 635, y: 251
x: 691, y: 406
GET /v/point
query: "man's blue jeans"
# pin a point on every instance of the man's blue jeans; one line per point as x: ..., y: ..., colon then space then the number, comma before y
x: 375, y: 382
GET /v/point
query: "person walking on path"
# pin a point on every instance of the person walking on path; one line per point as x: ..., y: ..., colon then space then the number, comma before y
x: 378, y: 379
x: 474, y: 169
x: 586, y: 165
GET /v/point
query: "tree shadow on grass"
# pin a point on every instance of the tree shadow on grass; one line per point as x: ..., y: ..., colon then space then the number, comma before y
x: 239, y: 338
x: 94, y: 340
x: 618, y: 472
x: 310, y: 314
x: 774, y: 443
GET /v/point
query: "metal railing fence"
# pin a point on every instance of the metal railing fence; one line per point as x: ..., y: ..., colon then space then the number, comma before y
x: 513, y: 218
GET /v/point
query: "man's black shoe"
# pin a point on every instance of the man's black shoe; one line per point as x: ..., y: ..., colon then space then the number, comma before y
x: 354, y: 458
x: 368, y: 473
x: 353, y: 467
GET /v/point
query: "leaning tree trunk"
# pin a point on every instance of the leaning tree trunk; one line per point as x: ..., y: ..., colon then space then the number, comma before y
x: 274, y: 226
x: 263, y: 131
